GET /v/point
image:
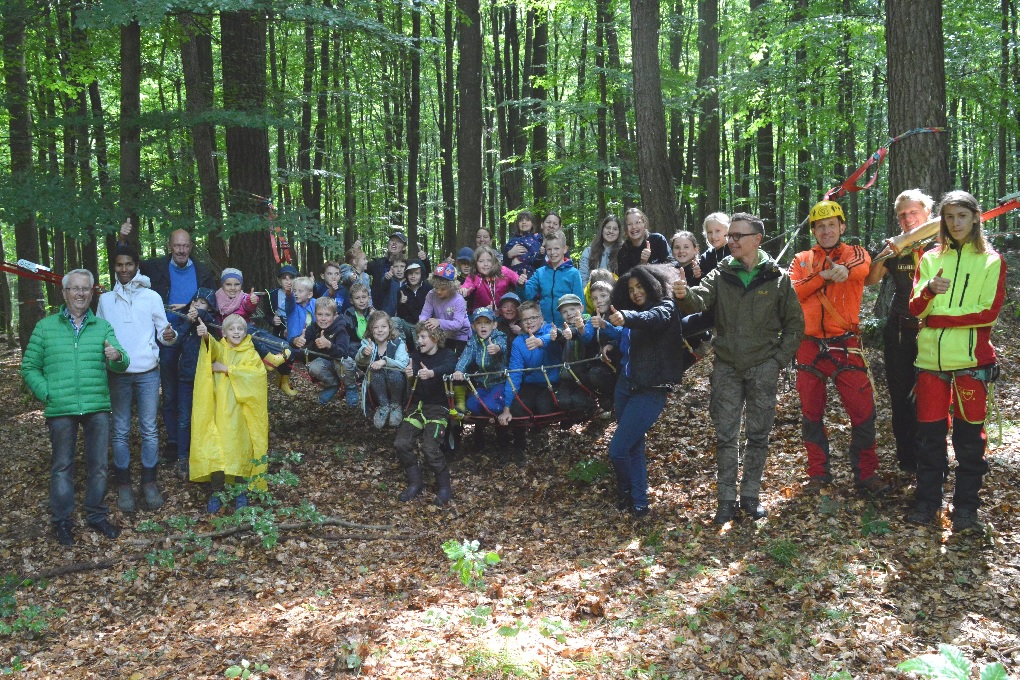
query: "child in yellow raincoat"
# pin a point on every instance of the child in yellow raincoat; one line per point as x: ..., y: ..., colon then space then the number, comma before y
x: 230, y: 415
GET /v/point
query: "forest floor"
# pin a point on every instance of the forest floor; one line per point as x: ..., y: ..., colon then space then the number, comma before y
x: 830, y: 586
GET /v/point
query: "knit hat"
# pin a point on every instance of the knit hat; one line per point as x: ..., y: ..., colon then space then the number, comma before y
x: 287, y: 270
x: 231, y: 273
x: 568, y: 299
x: 445, y: 271
x: 483, y: 313
x: 465, y: 254
x: 510, y: 297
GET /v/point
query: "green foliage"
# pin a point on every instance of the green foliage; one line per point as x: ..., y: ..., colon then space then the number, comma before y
x: 245, y: 669
x: 31, y: 620
x: 469, y: 563
x: 555, y: 628
x: 871, y: 525
x: 950, y: 664
x: 16, y: 666
x: 783, y: 551
x: 479, y: 616
x: 588, y: 471
x: 149, y: 525
x: 512, y: 630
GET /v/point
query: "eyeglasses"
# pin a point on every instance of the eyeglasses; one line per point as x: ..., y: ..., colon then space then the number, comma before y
x: 737, y: 237
x: 530, y: 319
x: 78, y: 290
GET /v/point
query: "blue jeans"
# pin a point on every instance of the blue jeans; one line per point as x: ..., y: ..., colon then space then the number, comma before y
x: 169, y: 357
x: 185, y: 397
x: 489, y: 400
x: 636, y: 411
x: 63, y: 438
x: 142, y: 389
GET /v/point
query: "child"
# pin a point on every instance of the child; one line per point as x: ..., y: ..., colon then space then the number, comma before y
x: 300, y: 307
x: 574, y: 391
x: 328, y: 336
x: 601, y: 254
x: 277, y: 299
x: 230, y: 299
x: 411, y: 300
x: 508, y: 322
x: 685, y: 251
x: 598, y: 334
x: 357, y: 325
x: 427, y: 415
x: 597, y: 275
x: 523, y: 251
x: 353, y: 270
x: 490, y: 280
x: 485, y: 353
x: 555, y: 279
x: 445, y: 309
x: 715, y: 227
x: 230, y: 415
x: 465, y: 261
x: 391, y: 297
x: 330, y: 287
x: 383, y: 355
x: 526, y: 392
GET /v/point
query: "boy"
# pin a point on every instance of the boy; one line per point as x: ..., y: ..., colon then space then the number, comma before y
x: 410, y: 300
x: 427, y: 415
x: 355, y: 264
x: 330, y: 287
x: 357, y: 325
x: 300, y: 307
x: 508, y: 321
x: 327, y: 336
x: 396, y: 278
x: 485, y: 353
x: 604, y: 337
x: 556, y: 279
x: 277, y: 299
x: 573, y: 393
x: 464, y: 257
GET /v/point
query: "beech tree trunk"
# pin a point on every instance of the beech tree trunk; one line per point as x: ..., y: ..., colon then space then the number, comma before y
x: 469, y: 124
x: 708, y: 91
x: 130, y: 129
x: 414, y: 129
x: 540, y: 132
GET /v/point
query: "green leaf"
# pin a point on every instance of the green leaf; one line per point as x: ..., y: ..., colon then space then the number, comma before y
x: 994, y: 671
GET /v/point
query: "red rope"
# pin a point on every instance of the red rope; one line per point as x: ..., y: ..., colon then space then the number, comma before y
x: 850, y: 185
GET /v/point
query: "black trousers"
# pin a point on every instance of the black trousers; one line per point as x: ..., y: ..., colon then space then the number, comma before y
x: 900, y: 352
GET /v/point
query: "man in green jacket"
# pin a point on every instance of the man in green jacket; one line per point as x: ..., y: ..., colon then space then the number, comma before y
x: 759, y: 325
x: 65, y: 365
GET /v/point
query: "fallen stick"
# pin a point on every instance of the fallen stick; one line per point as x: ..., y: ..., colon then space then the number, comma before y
x: 294, y: 526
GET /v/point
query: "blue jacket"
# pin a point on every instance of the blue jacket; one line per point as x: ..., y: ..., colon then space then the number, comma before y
x: 476, y: 358
x: 548, y: 285
x: 522, y: 357
x: 297, y: 316
x: 342, y: 296
x: 529, y: 261
x: 189, y: 343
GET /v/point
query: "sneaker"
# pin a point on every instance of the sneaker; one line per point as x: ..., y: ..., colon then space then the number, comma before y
x: 64, y: 532
x: 640, y: 513
x: 241, y: 501
x: 815, y: 485
x: 352, y: 396
x: 103, y: 526
x: 872, y: 487
x: 326, y: 395
x: 922, y: 515
x: 381, y: 415
x: 965, y: 521
x: 396, y: 416
x: 183, y: 470
x: 752, y: 508
x: 725, y: 513
x: 214, y: 504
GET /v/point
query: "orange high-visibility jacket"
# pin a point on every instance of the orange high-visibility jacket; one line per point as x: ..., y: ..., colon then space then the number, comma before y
x: 845, y: 297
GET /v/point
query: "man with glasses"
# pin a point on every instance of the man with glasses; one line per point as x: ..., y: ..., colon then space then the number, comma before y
x: 899, y: 336
x: 829, y: 280
x: 759, y: 325
x: 65, y: 365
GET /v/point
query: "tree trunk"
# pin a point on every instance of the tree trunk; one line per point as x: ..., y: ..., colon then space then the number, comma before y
x: 764, y: 135
x: 130, y: 129
x: 540, y: 132
x: 601, y: 115
x: 469, y: 124
x: 708, y: 93
x: 243, y: 36
x: 657, y: 197
x: 14, y: 15
x: 916, y: 77
x: 624, y: 148
x: 414, y: 129
x: 446, y: 118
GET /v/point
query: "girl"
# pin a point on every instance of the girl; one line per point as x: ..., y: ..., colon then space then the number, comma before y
x: 601, y: 254
x: 230, y: 414
x: 230, y: 299
x: 685, y: 252
x: 958, y: 292
x: 445, y: 309
x: 650, y: 366
x: 523, y: 252
x: 490, y: 280
x: 357, y: 323
x: 383, y: 355
x: 642, y: 246
x: 715, y: 226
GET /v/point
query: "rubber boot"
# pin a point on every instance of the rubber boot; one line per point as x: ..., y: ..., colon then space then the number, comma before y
x: 414, y: 484
x: 283, y: 382
x: 125, y: 494
x: 444, y: 492
x: 150, y: 492
x: 622, y: 470
x: 274, y: 360
x: 460, y: 398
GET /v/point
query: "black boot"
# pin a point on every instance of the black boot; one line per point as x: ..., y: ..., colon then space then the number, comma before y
x: 725, y: 513
x: 478, y: 438
x: 969, y: 446
x: 444, y: 492
x: 150, y: 492
x: 125, y: 494
x: 752, y: 507
x: 414, y: 484
x: 622, y: 470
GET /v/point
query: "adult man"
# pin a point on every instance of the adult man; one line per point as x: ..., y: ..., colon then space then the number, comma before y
x: 176, y: 277
x: 136, y: 314
x: 65, y: 365
x: 829, y: 280
x: 759, y: 325
x: 379, y: 268
x: 913, y: 208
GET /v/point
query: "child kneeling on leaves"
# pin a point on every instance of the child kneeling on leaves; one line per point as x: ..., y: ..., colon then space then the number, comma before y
x: 427, y: 414
x: 383, y: 356
x: 329, y: 340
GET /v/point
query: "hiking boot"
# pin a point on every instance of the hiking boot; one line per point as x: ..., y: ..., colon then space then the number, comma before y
x: 183, y: 470
x: 872, y: 487
x: 396, y: 416
x: 150, y: 492
x: 326, y: 395
x: 725, y: 513
x: 966, y: 520
x: 381, y: 415
x: 640, y: 513
x: 103, y: 526
x: 125, y: 494
x: 815, y: 485
x: 444, y: 491
x: 923, y: 514
x: 352, y: 396
x: 64, y: 532
x: 752, y: 507
x: 414, y: 485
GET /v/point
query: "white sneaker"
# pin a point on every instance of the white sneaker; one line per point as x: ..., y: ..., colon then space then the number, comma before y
x: 396, y: 416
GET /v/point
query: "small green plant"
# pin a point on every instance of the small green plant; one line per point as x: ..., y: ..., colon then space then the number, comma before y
x: 16, y: 666
x: 783, y: 551
x: 950, y: 664
x: 245, y: 669
x: 513, y: 630
x: 32, y: 620
x: 554, y: 628
x: 479, y: 616
x: 436, y: 617
x: 469, y: 563
x: 161, y: 558
x: 349, y: 656
x: 129, y: 575
x: 588, y: 471
x: 871, y: 525
x: 149, y: 525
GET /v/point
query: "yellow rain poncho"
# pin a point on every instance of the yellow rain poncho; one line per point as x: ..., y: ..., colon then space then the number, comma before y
x: 230, y: 415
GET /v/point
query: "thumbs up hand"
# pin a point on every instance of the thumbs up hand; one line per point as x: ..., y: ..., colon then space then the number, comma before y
x: 939, y: 284
x: 168, y: 333
x: 425, y: 373
x: 680, y: 286
x: 200, y: 330
x: 615, y: 317
x: 553, y: 333
x: 408, y: 371
x: 567, y: 332
x: 403, y: 298
x: 531, y: 342
x: 598, y: 322
x: 322, y: 342
x: 646, y: 252
x: 110, y: 352
x: 696, y: 269
x: 492, y: 348
x: 523, y: 278
x: 254, y: 296
x: 125, y: 229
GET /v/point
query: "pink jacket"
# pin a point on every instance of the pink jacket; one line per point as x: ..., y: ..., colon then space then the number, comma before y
x: 486, y: 292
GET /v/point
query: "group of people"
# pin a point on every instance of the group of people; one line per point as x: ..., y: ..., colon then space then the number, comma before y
x: 524, y: 332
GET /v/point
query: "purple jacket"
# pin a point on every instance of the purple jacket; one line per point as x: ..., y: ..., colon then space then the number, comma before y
x: 452, y: 315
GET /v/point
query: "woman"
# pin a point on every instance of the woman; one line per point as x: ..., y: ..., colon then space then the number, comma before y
x: 601, y: 254
x: 958, y: 292
x: 650, y: 366
x: 642, y: 246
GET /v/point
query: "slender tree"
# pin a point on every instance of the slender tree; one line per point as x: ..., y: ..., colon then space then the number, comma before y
x: 708, y: 93
x: 469, y: 123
